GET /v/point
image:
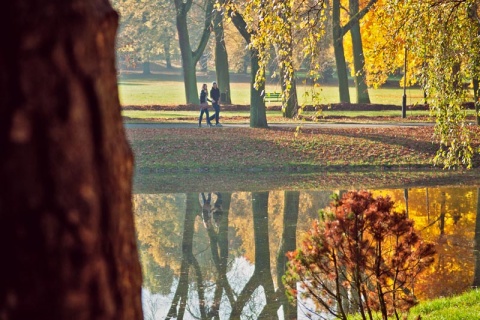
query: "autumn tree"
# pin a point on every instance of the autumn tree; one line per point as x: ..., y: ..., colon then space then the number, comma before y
x: 441, y: 39
x: 363, y: 255
x: 146, y: 30
x: 66, y: 167
x: 275, y: 33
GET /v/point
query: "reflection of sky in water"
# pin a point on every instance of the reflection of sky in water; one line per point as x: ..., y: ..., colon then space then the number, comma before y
x: 446, y: 216
x: 238, y: 276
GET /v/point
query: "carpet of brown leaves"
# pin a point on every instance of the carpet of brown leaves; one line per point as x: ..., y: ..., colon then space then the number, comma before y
x: 244, y: 149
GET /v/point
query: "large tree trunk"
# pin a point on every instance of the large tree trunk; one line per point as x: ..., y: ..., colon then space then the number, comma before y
x: 168, y: 56
x: 188, y: 63
x: 290, y: 104
x: 189, y: 57
x: 258, y: 111
x: 221, y: 58
x: 167, y: 43
x: 65, y: 199
x: 358, y: 57
x: 476, y: 98
x: 340, y: 54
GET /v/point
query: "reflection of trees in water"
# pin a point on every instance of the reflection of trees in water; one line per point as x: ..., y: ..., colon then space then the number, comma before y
x: 446, y: 216
x: 157, y: 279
x: 288, y: 243
x: 261, y: 275
x: 476, y: 248
x: 179, y: 302
x: 258, y: 296
x: 451, y: 211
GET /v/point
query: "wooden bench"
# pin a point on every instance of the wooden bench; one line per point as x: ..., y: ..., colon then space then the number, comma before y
x: 273, y: 96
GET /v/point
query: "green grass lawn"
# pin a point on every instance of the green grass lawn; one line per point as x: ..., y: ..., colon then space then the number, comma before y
x: 158, y: 90
x: 463, y: 307
x: 227, y: 115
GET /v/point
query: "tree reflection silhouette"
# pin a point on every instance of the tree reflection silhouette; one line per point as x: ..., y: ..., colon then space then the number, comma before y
x: 476, y: 249
x: 289, y: 240
x: 219, y: 249
x: 179, y: 302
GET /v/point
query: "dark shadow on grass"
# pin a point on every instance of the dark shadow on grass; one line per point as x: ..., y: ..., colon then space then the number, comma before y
x: 156, y: 182
x: 412, y: 144
x: 429, y: 148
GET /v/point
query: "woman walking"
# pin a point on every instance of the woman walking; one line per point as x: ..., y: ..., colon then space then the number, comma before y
x: 204, y: 106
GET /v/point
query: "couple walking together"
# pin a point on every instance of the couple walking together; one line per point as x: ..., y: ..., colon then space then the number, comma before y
x: 215, y: 100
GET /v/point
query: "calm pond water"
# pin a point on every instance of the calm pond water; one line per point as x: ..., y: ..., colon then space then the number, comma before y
x: 229, y: 264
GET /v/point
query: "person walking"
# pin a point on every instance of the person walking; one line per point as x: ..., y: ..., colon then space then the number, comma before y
x: 215, y: 96
x: 204, y: 106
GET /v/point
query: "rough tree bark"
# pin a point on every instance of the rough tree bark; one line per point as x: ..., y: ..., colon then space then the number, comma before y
x: 66, y: 222
x: 190, y: 58
x: 361, y: 87
x: 339, y: 32
x: 339, y: 52
x: 221, y: 58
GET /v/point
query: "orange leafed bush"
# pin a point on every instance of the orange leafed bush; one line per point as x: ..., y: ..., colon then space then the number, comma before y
x: 360, y: 256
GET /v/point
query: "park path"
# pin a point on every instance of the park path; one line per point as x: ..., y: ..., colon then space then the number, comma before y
x: 305, y: 125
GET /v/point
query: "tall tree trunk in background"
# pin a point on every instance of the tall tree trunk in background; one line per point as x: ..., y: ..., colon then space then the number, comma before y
x: 476, y: 99
x: 167, y: 44
x: 340, y: 54
x: 473, y: 15
x: 146, y: 68
x: 66, y: 222
x: 221, y: 58
x: 358, y: 57
x: 290, y: 104
x: 190, y: 58
x: 339, y: 32
x: 258, y: 112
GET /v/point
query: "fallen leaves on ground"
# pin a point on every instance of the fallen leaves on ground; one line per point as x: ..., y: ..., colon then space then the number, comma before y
x: 243, y: 149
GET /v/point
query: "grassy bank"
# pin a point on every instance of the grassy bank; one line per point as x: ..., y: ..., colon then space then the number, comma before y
x: 229, y: 116
x: 462, y: 307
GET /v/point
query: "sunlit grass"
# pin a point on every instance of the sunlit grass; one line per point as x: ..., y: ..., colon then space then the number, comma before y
x: 465, y: 306
x: 158, y: 90
x: 225, y: 113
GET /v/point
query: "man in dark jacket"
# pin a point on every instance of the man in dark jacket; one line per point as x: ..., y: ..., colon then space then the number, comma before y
x: 215, y: 96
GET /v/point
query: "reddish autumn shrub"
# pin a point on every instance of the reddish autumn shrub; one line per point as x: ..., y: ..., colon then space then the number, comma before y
x: 360, y: 256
